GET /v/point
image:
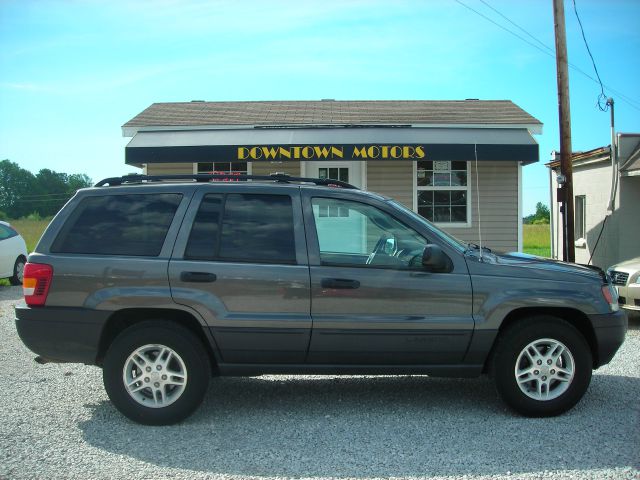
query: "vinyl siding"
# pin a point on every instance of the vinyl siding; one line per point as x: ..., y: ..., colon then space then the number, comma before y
x: 498, y: 183
x: 169, y: 168
x: 267, y: 168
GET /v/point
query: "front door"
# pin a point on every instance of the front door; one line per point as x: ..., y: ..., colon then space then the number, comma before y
x: 372, y: 302
x: 350, y: 172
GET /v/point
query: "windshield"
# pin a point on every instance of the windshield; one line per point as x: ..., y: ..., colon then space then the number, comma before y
x: 448, y: 238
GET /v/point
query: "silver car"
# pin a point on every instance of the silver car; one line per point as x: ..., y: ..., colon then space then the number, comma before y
x: 626, y: 278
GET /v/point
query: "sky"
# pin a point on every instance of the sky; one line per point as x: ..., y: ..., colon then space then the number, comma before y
x: 73, y: 72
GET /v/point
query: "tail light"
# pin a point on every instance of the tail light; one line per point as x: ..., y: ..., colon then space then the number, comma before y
x: 611, y: 296
x: 36, y: 283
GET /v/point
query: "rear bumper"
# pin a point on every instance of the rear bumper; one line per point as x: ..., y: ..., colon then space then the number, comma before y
x: 610, y: 330
x: 61, y: 334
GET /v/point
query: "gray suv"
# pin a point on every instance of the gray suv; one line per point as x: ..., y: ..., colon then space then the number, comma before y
x: 164, y: 284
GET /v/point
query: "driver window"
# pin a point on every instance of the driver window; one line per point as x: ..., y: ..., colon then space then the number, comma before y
x: 364, y: 236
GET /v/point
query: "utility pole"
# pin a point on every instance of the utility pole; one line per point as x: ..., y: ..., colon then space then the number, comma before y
x: 566, y: 166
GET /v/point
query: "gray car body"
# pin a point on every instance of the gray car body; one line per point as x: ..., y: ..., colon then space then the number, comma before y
x: 265, y: 318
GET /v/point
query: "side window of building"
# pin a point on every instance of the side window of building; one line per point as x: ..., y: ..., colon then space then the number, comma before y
x: 580, y: 217
x: 367, y: 237
x: 119, y: 225
x: 253, y: 228
x: 442, y: 189
x: 231, y: 168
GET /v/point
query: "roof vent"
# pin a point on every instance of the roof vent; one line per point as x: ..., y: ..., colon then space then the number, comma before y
x: 472, y: 99
x: 197, y: 101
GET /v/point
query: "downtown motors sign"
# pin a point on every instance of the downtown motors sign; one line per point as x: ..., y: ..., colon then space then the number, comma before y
x: 330, y: 152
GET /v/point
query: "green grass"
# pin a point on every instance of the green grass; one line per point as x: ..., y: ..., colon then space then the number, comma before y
x: 31, y: 230
x: 536, y: 240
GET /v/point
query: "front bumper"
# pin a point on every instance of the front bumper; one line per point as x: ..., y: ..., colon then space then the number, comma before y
x: 610, y: 330
x: 629, y: 296
x: 61, y: 334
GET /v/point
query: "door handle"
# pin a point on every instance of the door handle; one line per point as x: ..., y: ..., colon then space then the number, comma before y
x: 198, y: 277
x: 342, y: 283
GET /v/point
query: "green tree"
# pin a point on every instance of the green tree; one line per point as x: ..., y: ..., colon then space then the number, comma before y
x: 542, y: 214
x: 16, y: 184
x: 22, y: 193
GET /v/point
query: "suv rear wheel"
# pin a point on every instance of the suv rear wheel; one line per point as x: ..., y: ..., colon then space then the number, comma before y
x: 542, y: 366
x: 156, y: 372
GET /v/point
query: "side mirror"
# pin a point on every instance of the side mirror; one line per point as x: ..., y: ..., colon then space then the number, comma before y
x: 435, y: 260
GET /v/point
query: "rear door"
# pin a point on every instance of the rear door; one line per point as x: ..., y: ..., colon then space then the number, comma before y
x: 240, y: 260
x: 372, y: 300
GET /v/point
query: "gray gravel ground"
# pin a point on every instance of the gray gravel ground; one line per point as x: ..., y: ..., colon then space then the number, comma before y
x: 56, y: 422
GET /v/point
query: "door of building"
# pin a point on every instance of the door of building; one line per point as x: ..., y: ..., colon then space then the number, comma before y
x: 350, y: 172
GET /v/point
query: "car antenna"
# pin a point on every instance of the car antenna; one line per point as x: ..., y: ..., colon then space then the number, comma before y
x: 475, y: 151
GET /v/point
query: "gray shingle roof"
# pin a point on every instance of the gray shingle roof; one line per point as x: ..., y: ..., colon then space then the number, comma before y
x: 373, y: 112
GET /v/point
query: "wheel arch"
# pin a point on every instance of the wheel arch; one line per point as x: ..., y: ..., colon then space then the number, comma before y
x: 574, y: 317
x: 125, y: 318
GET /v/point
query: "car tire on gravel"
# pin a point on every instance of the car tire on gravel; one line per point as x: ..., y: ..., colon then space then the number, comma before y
x: 542, y: 366
x: 156, y: 372
x: 18, y: 271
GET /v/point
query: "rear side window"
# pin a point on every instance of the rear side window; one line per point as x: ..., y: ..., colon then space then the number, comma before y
x: 119, y: 225
x: 253, y: 228
x: 7, y: 232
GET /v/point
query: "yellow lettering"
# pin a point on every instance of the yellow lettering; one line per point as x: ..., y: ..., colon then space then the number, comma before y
x: 396, y: 152
x: 321, y: 152
x: 307, y: 152
x: 255, y: 153
x: 337, y: 152
x: 420, y: 152
x: 373, y: 151
x: 243, y: 153
x: 408, y: 152
x: 359, y: 152
x: 296, y: 152
x: 269, y: 152
x: 284, y: 152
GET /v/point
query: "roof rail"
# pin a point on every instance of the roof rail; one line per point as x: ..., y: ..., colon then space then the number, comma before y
x: 205, y: 177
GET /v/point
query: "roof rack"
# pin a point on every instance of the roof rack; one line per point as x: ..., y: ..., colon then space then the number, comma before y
x: 205, y: 177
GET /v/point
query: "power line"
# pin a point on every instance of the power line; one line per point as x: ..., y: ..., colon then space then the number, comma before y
x: 546, y: 49
x: 544, y: 45
x: 602, y: 97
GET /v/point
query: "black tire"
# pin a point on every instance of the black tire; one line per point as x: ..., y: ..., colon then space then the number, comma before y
x: 18, y: 271
x: 192, y: 357
x: 537, y: 330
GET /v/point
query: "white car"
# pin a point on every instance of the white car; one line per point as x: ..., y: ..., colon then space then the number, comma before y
x: 626, y: 277
x: 13, y: 254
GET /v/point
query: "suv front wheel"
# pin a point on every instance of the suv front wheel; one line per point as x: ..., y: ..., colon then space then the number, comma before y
x: 156, y: 372
x: 542, y: 366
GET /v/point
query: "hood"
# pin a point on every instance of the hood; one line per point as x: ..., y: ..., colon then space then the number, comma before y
x: 541, y: 264
x: 630, y: 265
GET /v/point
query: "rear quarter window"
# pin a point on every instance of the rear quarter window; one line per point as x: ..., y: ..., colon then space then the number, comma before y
x: 134, y: 224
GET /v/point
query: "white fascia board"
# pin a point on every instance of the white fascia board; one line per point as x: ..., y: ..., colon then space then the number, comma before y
x: 534, y: 129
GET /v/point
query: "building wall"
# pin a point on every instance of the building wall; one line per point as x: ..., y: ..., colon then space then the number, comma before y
x: 629, y: 224
x: 393, y: 179
x: 168, y: 168
x: 498, y: 183
x: 267, y: 168
x: 592, y: 180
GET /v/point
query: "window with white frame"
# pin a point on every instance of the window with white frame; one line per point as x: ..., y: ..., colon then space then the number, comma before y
x: 442, y: 191
x: 581, y: 216
x: 237, y: 168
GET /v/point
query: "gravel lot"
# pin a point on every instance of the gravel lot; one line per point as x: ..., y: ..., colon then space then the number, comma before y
x: 56, y: 422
